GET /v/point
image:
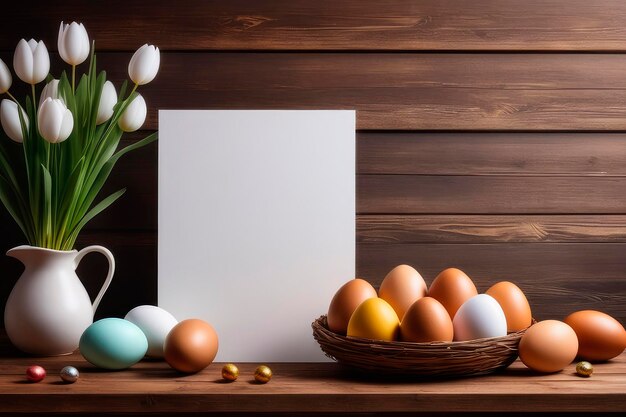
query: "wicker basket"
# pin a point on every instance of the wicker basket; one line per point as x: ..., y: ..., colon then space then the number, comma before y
x: 437, y: 359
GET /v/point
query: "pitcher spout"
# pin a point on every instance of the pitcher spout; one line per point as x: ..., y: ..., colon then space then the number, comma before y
x: 21, y: 253
x: 33, y: 255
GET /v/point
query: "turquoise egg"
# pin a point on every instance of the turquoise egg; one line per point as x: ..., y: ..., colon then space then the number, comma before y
x: 113, y: 344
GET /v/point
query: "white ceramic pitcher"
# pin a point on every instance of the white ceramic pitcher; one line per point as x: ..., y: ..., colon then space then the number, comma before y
x: 49, y: 309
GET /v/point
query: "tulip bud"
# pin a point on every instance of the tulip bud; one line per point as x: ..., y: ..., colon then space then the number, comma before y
x: 73, y: 43
x: 55, y: 121
x: 108, y: 99
x: 5, y: 78
x: 144, y: 64
x: 31, y: 61
x: 134, y: 115
x: 51, y: 90
x: 10, y: 119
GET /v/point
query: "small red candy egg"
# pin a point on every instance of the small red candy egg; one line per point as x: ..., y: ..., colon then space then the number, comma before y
x: 35, y: 373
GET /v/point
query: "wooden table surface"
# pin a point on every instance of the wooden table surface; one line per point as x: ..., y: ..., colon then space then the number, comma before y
x: 154, y: 387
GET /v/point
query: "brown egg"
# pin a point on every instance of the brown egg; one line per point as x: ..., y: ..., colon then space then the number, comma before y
x: 190, y: 346
x: 426, y: 321
x: 548, y: 346
x: 402, y: 286
x: 345, y: 301
x: 600, y: 336
x: 514, y: 304
x: 452, y: 288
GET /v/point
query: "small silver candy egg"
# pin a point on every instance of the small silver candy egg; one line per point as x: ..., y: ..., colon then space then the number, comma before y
x: 69, y: 374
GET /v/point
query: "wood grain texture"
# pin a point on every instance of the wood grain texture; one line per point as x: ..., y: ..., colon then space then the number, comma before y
x: 332, y: 25
x: 397, y: 91
x: 392, y: 194
x: 515, y: 154
x: 415, y: 194
x: 402, y: 229
x: 313, y: 388
x: 558, y: 279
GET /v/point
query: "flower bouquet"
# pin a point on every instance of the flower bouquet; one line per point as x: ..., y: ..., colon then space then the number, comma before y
x: 60, y: 147
x: 62, y: 144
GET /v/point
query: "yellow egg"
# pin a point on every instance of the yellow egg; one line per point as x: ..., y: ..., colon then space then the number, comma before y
x: 374, y: 319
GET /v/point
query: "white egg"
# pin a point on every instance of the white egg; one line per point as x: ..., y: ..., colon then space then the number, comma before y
x: 479, y: 317
x: 155, y: 323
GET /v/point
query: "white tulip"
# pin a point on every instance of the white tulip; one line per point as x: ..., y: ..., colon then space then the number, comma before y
x: 144, y: 64
x: 55, y: 121
x: 10, y: 119
x: 5, y: 77
x: 51, y: 90
x: 31, y: 61
x: 108, y: 99
x: 134, y: 115
x: 73, y: 43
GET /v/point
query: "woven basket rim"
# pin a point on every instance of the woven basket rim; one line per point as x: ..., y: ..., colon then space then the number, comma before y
x: 323, y: 326
x: 432, y: 359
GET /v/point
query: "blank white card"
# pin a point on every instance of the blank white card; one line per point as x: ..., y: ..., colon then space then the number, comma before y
x: 256, y: 224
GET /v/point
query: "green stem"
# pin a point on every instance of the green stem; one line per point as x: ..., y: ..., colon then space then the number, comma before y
x: 73, y: 77
x: 61, y: 234
x: 12, y: 98
x: 53, y: 169
x: 111, y: 124
x: 15, y: 100
x: 35, y: 104
x: 40, y: 222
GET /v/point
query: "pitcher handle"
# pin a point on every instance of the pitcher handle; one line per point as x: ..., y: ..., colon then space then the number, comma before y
x: 107, y: 254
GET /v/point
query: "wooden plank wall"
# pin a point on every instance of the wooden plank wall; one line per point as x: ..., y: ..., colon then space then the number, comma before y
x: 491, y: 134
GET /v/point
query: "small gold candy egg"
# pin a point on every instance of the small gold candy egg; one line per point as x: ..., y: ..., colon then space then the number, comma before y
x: 263, y: 374
x: 230, y: 372
x: 584, y: 368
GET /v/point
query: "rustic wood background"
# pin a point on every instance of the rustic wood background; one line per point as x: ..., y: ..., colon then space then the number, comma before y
x: 491, y: 134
